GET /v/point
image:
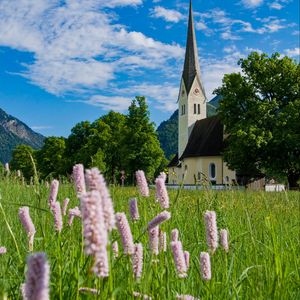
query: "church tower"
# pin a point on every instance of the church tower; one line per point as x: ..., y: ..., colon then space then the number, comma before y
x: 191, y: 99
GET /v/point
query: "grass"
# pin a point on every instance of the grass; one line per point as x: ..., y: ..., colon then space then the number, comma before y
x: 263, y: 261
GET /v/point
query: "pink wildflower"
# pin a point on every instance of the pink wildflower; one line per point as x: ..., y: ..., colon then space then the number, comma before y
x: 89, y: 291
x: 27, y: 224
x: 78, y: 175
x: 179, y: 259
x: 53, y: 192
x: 2, y: 250
x: 137, y: 260
x: 58, y: 222
x: 160, y: 218
x: 142, y: 296
x: 133, y: 209
x: 65, y: 206
x: 186, y: 297
x: 115, y: 249
x: 73, y: 212
x: 36, y: 286
x: 142, y: 183
x: 96, y: 182
x: 95, y: 234
x: 174, y: 235
x: 163, y: 176
x: 162, y: 193
x: 187, y: 259
x: 125, y: 232
x: 205, y: 265
x: 154, y: 240
x: 211, y: 230
x: 224, y: 239
x: 162, y: 241
x: 101, y: 265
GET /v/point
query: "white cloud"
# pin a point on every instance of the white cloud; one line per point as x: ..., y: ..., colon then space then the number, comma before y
x: 40, y: 127
x: 200, y: 25
x: 228, y: 35
x: 163, y: 96
x: 252, y: 3
x: 276, y: 5
x: 229, y: 27
x: 169, y: 15
x: 79, y: 47
x: 115, y: 103
x: 293, y: 52
x: 248, y: 50
x: 230, y: 49
x: 213, y: 71
x: 61, y: 76
x: 96, y: 4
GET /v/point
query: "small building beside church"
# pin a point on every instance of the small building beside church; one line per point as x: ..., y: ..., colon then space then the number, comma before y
x: 200, y: 139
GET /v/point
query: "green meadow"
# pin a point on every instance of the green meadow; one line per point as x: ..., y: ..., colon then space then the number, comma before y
x: 263, y: 261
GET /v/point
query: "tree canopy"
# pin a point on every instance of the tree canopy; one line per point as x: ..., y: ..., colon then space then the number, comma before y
x: 115, y: 142
x: 260, y: 109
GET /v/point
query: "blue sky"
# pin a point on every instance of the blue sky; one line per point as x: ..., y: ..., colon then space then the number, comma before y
x: 62, y: 62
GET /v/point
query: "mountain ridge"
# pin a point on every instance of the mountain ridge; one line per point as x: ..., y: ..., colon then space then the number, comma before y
x: 14, y: 132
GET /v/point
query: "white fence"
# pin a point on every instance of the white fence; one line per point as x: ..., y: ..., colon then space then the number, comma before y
x: 274, y: 188
x: 218, y: 187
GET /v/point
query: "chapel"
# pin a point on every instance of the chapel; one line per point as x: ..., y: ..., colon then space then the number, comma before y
x: 200, y: 139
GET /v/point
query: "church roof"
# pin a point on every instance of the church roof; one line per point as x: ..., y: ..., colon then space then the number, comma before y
x: 174, y: 161
x: 191, y: 61
x: 206, y: 138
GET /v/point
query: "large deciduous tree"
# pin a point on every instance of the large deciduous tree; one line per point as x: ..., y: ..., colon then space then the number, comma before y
x: 260, y: 109
x: 141, y: 149
x: 51, y: 158
x: 23, y: 160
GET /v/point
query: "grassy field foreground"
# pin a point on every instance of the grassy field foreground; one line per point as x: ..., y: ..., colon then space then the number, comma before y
x: 263, y: 261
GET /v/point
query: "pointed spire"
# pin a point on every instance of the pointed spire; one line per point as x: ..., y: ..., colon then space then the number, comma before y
x: 191, y: 62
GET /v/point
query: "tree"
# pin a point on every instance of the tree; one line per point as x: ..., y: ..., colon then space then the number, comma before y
x: 114, y: 157
x: 260, y: 109
x: 22, y: 157
x: 75, y: 143
x: 51, y: 158
x: 141, y: 148
x: 98, y: 144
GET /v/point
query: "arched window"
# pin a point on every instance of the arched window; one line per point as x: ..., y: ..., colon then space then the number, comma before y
x: 212, y: 171
x: 195, y: 108
x: 198, y: 109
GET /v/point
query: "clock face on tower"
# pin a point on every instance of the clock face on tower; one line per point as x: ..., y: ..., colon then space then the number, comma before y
x: 196, y: 91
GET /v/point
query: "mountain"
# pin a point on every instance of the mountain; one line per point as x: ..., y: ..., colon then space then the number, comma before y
x: 13, y: 132
x: 168, y: 130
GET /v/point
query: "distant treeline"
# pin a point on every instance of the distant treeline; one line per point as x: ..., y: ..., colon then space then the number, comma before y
x: 115, y: 142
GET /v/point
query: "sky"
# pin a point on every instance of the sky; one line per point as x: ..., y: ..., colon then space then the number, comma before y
x: 62, y: 62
